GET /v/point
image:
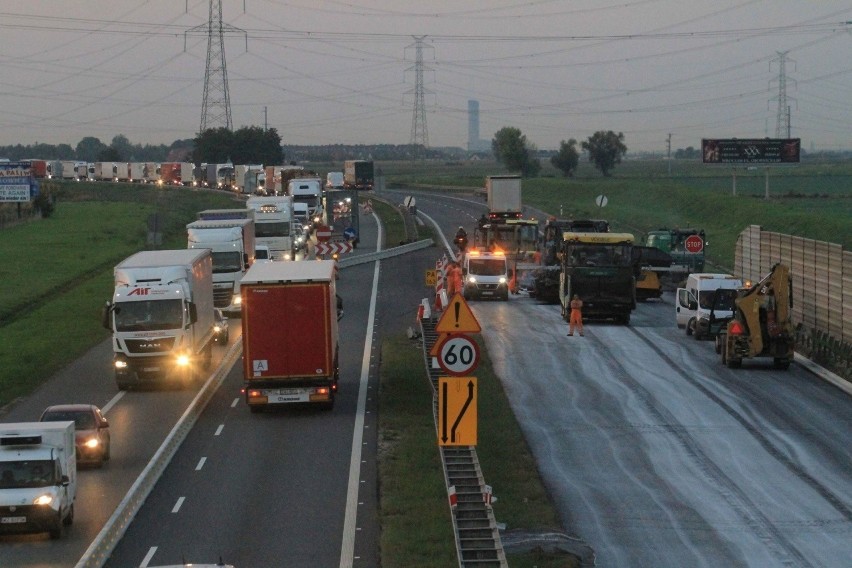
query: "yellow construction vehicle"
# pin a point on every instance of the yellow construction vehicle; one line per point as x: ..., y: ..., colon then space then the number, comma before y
x: 761, y: 325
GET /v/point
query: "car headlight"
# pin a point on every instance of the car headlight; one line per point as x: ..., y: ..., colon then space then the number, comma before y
x: 502, y: 280
x: 471, y: 279
x: 120, y: 364
x: 183, y: 360
x: 217, y: 328
x: 45, y: 499
x: 92, y: 443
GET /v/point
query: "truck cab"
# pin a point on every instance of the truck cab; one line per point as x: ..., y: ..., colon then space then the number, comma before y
x: 485, y: 274
x: 705, y: 303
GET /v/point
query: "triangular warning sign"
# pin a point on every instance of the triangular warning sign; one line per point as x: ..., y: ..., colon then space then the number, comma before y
x: 458, y: 318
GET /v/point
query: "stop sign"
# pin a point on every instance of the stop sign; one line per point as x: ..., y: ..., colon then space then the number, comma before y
x: 323, y: 233
x: 694, y: 244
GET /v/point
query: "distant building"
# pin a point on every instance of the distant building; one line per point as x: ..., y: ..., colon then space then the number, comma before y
x: 474, y: 142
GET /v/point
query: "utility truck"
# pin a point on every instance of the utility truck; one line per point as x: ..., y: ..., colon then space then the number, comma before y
x: 273, y: 224
x: 761, y: 325
x: 38, y: 477
x: 161, y: 316
x: 485, y: 274
x: 290, y: 333
x: 705, y: 305
x: 232, y: 243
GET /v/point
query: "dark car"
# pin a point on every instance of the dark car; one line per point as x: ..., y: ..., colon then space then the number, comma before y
x: 220, y: 327
x: 91, y: 430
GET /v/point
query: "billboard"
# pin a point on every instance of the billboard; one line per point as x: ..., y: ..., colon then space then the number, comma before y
x: 16, y: 182
x: 750, y: 151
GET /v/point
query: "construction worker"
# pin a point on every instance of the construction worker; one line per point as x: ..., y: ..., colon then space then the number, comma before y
x: 454, y: 279
x: 576, y: 319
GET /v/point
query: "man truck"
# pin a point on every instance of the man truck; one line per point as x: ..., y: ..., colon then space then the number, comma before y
x: 273, y: 224
x: 161, y: 316
x: 232, y: 243
x: 38, y: 477
x: 290, y: 333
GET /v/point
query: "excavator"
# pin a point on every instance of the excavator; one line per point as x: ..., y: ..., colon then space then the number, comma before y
x: 761, y: 325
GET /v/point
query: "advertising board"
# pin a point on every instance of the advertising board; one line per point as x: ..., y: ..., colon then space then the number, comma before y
x: 16, y: 182
x: 750, y: 151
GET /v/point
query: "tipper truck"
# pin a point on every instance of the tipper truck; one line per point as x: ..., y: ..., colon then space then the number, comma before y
x: 290, y: 333
x: 161, y: 316
x: 38, y: 477
x: 232, y: 243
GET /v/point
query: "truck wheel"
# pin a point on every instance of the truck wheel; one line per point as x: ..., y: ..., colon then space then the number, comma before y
x: 734, y: 362
x: 697, y: 336
x: 718, y: 345
x: 122, y: 385
x: 255, y: 409
x: 722, y: 345
x: 55, y: 530
x: 781, y: 363
x: 69, y: 518
x: 689, y: 325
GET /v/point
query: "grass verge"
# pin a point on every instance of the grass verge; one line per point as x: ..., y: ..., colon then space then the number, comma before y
x: 414, y: 514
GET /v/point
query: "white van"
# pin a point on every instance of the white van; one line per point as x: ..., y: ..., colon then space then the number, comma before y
x: 706, y: 303
x: 485, y: 274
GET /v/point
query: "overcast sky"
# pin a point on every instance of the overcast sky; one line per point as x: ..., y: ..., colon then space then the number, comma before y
x: 341, y: 71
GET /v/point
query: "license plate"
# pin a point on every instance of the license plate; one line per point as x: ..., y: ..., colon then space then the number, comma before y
x: 12, y: 520
x: 150, y: 369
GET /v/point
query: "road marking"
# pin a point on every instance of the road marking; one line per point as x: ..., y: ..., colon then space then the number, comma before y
x: 177, y: 506
x: 112, y: 402
x: 148, y: 557
x: 200, y: 464
x: 219, y: 429
x: 347, y: 549
x: 236, y: 402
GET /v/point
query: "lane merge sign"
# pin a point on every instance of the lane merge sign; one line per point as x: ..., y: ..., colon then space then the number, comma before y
x: 457, y: 411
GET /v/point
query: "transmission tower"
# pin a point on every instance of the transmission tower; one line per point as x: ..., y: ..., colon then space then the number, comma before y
x: 419, y: 133
x: 216, y: 103
x: 782, y: 114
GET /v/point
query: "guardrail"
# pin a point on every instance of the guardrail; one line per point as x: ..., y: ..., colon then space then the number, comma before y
x: 383, y: 254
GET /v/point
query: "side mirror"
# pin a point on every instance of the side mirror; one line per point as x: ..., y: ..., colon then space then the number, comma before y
x: 246, y: 261
x: 193, y: 313
x: 104, y: 423
x: 105, y: 313
x: 64, y: 481
x: 339, y: 308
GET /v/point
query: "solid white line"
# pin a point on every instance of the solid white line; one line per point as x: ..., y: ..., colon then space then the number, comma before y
x: 219, y: 429
x: 200, y: 464
x: 148, y: 557
x: 177, y: 506
x: 111, y: 403
x: 347, y: 549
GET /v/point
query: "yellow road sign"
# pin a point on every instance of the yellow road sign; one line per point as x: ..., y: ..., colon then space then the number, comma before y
x: 431, y: 278
x: 458, y: 318
x: 457, y: 420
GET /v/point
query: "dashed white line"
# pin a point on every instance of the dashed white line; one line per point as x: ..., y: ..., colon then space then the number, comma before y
x: 219, y: 429
x: 200, y: 464
x: 177, y: 506
x: 236, y: 402
x: 148, y: 557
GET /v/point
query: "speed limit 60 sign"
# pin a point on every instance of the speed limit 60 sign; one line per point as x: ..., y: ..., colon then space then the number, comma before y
x: 458, y: 355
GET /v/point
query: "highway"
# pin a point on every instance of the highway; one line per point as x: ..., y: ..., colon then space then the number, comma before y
x: 655, y: 453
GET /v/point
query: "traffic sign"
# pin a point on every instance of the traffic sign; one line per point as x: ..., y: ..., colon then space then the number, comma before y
x: 338, y: 247
x: 458, y: 318
x: 693, y: 244
x: 431, y: 278
x: 350, y: 233
x: 323, y: 233
x: 436, y: 347
x: 458, y: 355
x: 601, y: 200
x: 457, y: 415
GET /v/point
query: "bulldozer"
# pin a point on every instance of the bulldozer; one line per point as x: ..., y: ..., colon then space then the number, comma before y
x: 761, y: 324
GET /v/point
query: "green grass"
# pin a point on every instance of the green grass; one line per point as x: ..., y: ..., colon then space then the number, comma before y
x: 411, y: 477
x: 394, y: 226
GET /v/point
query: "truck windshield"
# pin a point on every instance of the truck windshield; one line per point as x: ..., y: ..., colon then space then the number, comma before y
x: 229, y: 261
x: 150, y: 315
x: 35, y: 473
x: 274, y: 229
x: 599, y: 255
x: 486, y: 267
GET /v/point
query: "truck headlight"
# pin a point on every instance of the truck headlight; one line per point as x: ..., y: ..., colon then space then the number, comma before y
x: 237, y: 300
x: 45, y: 499
x: 217, y: 328
x: 183, y: 360
x: 92, y: 443
x: 502, y: 280
x: 121, y: 364
x: 471, y: 279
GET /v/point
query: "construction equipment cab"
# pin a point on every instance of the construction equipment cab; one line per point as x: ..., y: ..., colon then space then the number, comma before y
x: 705, y: 305
x: 761, y: 325
x: 485, y: 274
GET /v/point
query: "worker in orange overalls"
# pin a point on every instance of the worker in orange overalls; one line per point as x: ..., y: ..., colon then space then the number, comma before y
x: 576, y: 319
x: 454, y: 279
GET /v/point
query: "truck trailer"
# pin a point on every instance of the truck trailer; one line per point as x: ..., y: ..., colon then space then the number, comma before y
x: 161, y: 316
x: 358, y: 174
x: 231, y: 242
x: 290, y: 333
x: 503, y: 194
x: 38, y: 477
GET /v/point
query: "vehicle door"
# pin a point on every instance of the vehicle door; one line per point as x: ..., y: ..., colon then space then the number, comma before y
x: 685, y: 306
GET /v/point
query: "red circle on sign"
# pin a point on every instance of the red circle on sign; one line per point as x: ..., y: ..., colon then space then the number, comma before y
x: 694, y: 243
x: 458, y: 355
x: 323, y: 233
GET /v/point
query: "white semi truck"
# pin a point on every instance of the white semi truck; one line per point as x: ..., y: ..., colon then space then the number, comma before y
x: 309, y: 192
x: 232, y: 243
x: 38, y: 477
x: 273, y: 224
x: 161, y: 316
